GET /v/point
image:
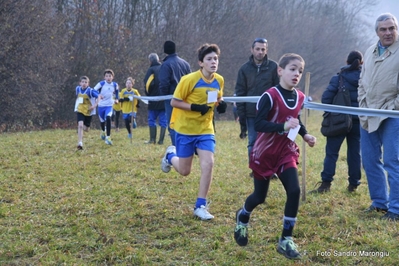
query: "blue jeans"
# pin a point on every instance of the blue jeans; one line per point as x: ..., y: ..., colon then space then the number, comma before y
x: 168, y: 112
x: 251, y: 134
x: 152, y: 118
x: 353, y: 160
x: 376, y: 162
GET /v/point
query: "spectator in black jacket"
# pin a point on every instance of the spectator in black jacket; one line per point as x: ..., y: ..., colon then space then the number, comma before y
x: 156, y: 109
x: 350, y: 74
x: 170, y: 73
x: 254, y: 78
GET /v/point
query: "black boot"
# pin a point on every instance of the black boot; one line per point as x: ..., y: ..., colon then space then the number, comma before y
x: 323, y: 188
x: 162, y: 135
x: 153, y: 135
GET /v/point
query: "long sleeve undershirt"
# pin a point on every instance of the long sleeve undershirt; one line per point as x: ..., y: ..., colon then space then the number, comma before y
x: 264, y: 106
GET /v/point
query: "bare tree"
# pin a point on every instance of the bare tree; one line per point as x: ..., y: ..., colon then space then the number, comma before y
x: 46, y: 49
x: 32, y: 63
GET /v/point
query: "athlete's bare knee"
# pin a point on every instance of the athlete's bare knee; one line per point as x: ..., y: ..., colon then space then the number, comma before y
x: 185, y: 172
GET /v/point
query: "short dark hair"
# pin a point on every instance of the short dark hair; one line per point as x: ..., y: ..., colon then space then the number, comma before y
x: 207, y: 49
x: 287, y: 58
x: 84, y: 77
x: 260, y: 40
x: 109, y: 71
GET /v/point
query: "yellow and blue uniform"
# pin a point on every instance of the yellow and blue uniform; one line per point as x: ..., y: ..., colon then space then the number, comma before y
x: 116, y: 111
x: 117, y: 106
x: 85, y: 99
x: 193, y: 88
x: 87, y: 95
x: 129, y: 106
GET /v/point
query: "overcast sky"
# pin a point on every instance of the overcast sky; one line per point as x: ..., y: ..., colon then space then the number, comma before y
x: 383, y: 6
x: 391, y: 6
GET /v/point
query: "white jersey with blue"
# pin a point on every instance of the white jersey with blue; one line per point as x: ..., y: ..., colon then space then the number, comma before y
x: 109, y: 92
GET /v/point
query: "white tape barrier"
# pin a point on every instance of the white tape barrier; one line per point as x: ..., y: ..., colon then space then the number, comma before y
x: 307, y: 105
x: 351, y: 110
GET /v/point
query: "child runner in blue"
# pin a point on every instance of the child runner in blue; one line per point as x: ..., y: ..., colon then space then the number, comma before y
x: 108, y: 90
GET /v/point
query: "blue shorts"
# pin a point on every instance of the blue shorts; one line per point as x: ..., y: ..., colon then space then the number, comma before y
x: 103, y: 112
x: 186, y: 145
x: 128, y: 116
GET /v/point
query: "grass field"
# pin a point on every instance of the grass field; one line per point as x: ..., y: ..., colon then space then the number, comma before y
x: 112, y: 205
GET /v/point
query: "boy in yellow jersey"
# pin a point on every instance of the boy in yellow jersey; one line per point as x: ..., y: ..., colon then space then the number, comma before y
x: 85, y: 107
x: 129, y: 105
x: 193, y: 103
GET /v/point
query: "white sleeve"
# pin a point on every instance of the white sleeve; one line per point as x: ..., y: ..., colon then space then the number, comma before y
x: 98, y: 86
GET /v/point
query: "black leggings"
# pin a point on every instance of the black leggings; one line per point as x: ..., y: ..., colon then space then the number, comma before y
x: 290, y: 181
x: 127, y: 124
x: 115, y: 118
x: 106, y: 124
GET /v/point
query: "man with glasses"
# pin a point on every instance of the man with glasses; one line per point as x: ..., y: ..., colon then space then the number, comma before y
x: 254, y: 78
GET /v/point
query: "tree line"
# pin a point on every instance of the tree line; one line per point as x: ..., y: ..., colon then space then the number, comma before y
x: 47, y: 45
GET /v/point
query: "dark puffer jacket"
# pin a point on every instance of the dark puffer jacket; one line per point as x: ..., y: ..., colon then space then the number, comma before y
x: 153, y: 89
x: 254, y: 81
x: 350, y: 81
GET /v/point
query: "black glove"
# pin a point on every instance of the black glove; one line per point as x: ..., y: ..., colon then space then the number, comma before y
x: 121, y: 100
x: 221, y: 108
x: 202, y: 108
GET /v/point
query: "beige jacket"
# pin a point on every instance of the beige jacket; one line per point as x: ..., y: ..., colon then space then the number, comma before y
x: 379, y: 84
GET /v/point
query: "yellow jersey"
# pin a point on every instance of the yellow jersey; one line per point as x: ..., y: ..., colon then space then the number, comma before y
x: 194, y: 88
x: 128, y: 106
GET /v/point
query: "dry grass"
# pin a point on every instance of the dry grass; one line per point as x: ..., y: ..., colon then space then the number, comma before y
x: 112, y: 205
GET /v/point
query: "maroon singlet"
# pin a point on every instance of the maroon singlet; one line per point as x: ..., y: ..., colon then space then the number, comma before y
x: 274, y: 151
